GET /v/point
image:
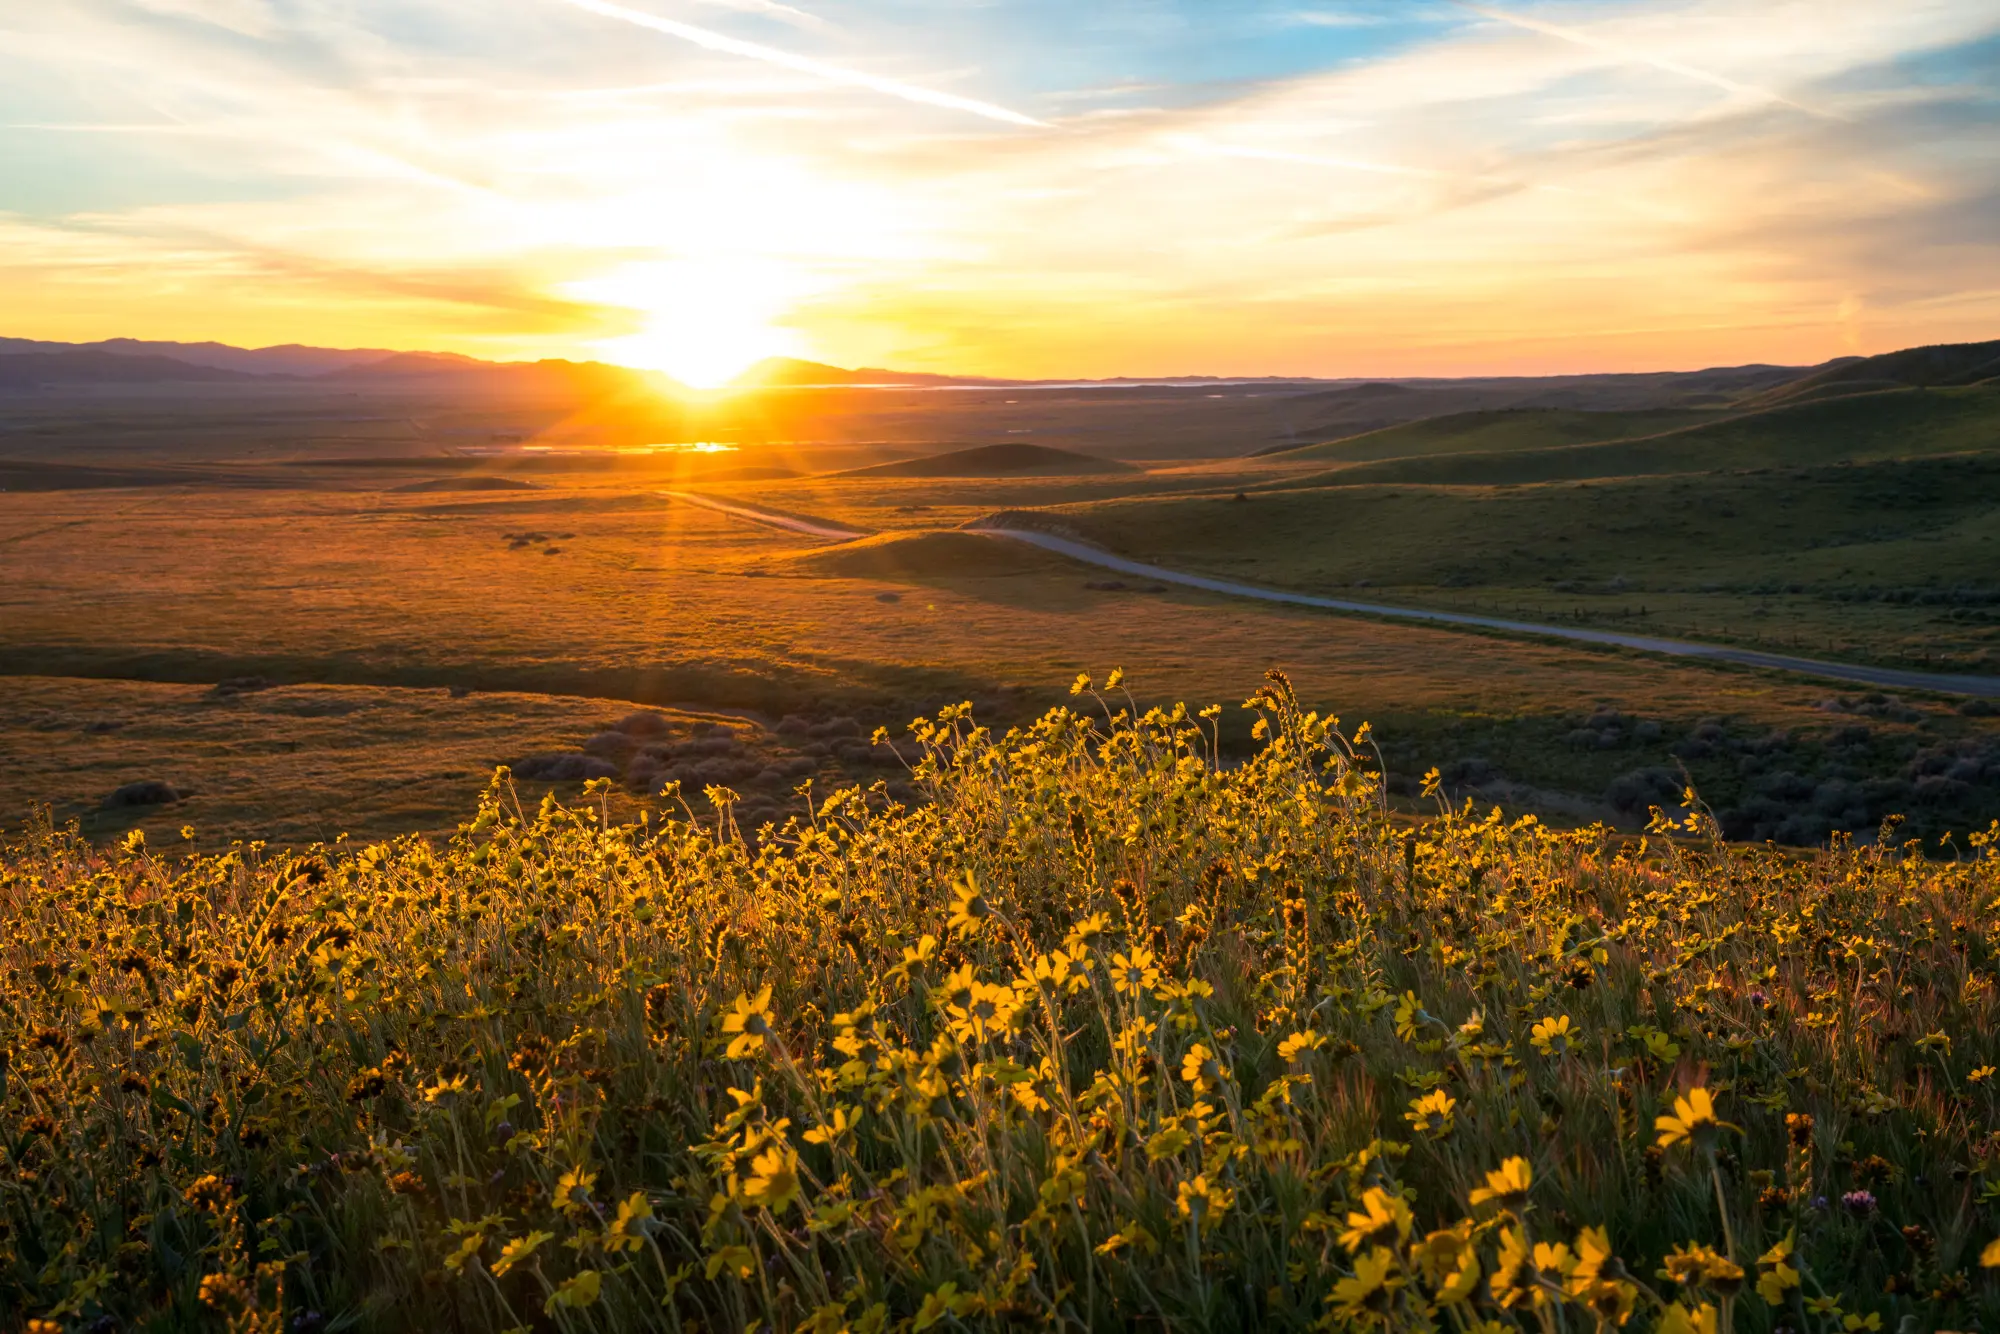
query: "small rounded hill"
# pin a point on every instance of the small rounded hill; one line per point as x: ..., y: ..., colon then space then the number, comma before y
x: 1009, y: 460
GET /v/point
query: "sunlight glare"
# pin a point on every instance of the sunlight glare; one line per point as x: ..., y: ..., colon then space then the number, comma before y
x: 701, y: 321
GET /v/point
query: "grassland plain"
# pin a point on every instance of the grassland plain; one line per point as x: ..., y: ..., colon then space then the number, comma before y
x: 290, y: 765
x: 646, y: 601
x: 1099, y: 1034
x: 1892, y: 563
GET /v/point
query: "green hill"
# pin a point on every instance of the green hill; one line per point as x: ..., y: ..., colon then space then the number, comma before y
x: 1900, y: 423
x: 1936, y: 366
x: 1011, y: 460
x: 1494, y: 430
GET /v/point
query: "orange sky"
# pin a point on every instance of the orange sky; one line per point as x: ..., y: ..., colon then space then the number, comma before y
x: 1334, y: 189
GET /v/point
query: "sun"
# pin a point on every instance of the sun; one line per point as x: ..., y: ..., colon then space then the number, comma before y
x: 704, y: 322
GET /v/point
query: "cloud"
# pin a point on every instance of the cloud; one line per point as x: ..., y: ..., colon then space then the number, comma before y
x: 1453, y: 196
x: 251, y: 18
x: 715, y: 41
x: 771, y: 9
x: 1635, y: 56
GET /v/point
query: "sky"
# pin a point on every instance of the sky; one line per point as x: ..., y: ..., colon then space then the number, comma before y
x: 1045, y: 188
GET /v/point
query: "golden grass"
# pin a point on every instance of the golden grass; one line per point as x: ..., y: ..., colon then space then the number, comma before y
x: 290, y: 766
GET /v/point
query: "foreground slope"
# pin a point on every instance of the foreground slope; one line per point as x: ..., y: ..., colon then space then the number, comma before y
x: 1104, y: 1036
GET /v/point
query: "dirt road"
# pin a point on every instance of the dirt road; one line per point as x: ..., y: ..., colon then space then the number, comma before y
x: 1987, y: 687
x: 1984, y: 686
x: 770, y: 518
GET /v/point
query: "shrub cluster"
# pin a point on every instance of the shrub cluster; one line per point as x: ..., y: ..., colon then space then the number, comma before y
x: 1100, y: 1034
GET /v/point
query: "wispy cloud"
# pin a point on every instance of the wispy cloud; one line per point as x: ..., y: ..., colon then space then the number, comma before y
x: 819, y: 69
x: 1632, y: 55
x: 772, y: 9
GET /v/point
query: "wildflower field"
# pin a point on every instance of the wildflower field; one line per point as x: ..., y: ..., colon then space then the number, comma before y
x: 1098, y: 1034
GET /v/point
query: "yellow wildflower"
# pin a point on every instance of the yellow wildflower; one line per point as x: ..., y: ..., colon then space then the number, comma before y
x: 969, y: 907
x: 1610, y: 1298
x: 1450, y: 1262
x: 1381, y: 1215
x: 1367, y: 1295
x: 984, y: 1011
x: 518, y: 1250
x: 1201, y: 1202
x: 1201, y: 1069
x: 1432, y: 1112
x: 749, y: 1024
x: 1694, y: 1120
x: 1677, y: 1319
x: 1508, y: 1187
x: 1552, y: 1037
x: 774, y: 1178
x: 576, y: 1292
x: 1513, y: 1276
x: 1698, y: 1265
x: 1776, y: 1276
x: 1134, y: 972
x: 1298, y: 1044
x: 573, y: 1189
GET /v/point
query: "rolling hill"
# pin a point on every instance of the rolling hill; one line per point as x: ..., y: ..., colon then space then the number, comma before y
x: 1012, y: 460
x: 1886, y: 424
x: 1494, y: 430
x: 1936, y: 366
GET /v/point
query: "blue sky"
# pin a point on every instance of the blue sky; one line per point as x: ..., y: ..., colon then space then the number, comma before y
x: 1028, y: 188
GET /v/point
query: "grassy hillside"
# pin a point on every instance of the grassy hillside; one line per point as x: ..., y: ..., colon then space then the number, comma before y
x: 1893, y: 561
x: 1892, y: 424
x: 1104, y: 1037
x: 1494, y: 431
x: 997, y: 461
x: 1940, y: 364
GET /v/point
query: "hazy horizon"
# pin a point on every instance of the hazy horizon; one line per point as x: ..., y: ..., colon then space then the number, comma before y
x: 745, y: 377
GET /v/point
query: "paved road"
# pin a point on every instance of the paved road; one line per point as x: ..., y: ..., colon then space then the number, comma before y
x: 1986, y: 686
x: 792, y: 523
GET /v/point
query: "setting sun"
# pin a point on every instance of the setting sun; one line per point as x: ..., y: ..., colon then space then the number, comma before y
x: 703, y: 323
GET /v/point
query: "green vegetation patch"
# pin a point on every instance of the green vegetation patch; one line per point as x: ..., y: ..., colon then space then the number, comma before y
x: 1891, y: 561
x: 1495, y: 430
x: 1894, y: 424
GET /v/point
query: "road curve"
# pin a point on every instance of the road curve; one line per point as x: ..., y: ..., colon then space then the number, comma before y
x: 1983, y: 686
x: 769, y: 518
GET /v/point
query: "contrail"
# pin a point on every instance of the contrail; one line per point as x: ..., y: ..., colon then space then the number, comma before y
x: 774, y: 9
x: 715, y: 41
x: 1625, y: 54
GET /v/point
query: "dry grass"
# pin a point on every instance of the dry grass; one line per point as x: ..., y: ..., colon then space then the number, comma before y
x: 290, y: 765
x: 675, y: 605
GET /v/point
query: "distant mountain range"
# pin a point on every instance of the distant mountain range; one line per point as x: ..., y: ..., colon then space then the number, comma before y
x: 291, y: 359
x: 1342, y: 405
x: 27, y: 363
x: 30, y: 364
x: 790, y: 373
